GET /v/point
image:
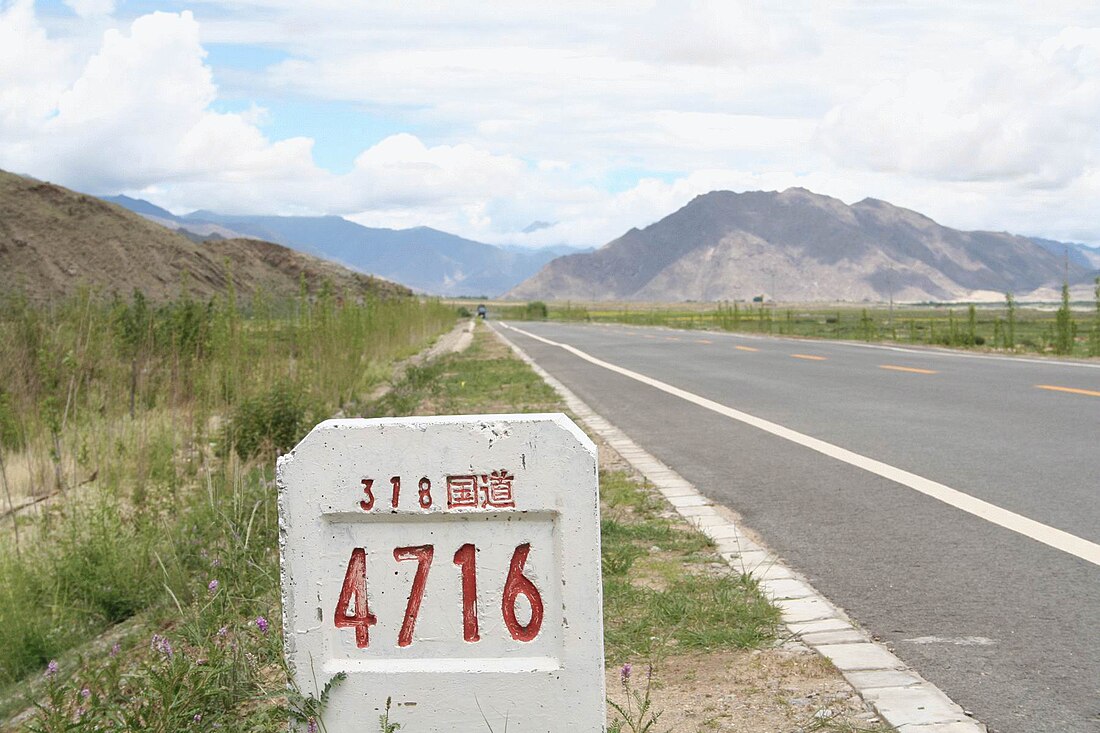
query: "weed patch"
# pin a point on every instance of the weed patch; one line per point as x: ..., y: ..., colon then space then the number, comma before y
x: 111, y: 410
x: 664, y: 590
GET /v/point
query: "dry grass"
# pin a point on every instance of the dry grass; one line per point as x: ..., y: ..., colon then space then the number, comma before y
x: 756, y: 691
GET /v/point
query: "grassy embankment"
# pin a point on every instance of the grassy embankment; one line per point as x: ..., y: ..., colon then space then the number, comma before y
x: 138, y: 440
x: 1069, y: 330
x: 197, y: 556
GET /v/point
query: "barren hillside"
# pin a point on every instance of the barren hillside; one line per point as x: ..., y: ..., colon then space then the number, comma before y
x: 796, y: 245
x: 54, y: 241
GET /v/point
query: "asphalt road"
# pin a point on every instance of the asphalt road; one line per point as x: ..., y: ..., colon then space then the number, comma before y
x: 1006, y: 625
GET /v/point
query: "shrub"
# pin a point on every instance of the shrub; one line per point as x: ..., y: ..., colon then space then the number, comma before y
x: 103, y: 561
x: 536, y: 310
x: 271, y: 421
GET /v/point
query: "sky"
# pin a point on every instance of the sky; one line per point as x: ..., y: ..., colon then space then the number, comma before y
x: 481, y: 118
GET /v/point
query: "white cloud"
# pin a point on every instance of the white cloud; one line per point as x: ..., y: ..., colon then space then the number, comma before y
x: 718, y: 32
x: 33, y: 69
x: 405, y: 171
x: 533, y: 111
x: 137, y: 113
x: 1027, y: 114
x: 91, y: 8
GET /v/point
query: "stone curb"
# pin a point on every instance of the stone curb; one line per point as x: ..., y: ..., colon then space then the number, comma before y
x: 900, y: 696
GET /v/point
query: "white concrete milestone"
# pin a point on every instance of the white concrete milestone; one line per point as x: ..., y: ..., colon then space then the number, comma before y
x: 449, y: 563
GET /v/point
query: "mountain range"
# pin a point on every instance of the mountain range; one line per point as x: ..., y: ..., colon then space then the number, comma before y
x: 796, y: 245
x: 792, y: 245
x: 54, y: 241
x: 423, y: 258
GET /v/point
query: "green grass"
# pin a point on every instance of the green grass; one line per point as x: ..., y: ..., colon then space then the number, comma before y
x: 986, y: 326
x: 151, y: 428
x: 197, y: 657
x: 665, y: 589
x: 485, y: 378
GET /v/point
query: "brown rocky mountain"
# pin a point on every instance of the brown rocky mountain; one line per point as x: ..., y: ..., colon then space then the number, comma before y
x: 54, y: 241
x: 796, y: 245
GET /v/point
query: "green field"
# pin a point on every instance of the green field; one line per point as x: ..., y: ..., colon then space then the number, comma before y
x: 1072, y: 329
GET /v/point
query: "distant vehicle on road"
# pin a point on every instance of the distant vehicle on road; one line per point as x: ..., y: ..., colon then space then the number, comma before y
x: 482, y: 311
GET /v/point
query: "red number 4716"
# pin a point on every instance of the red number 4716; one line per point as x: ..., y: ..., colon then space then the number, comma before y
x: 352, y: 611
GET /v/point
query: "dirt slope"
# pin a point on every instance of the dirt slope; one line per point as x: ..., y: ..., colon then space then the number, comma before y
x: 54, y: 241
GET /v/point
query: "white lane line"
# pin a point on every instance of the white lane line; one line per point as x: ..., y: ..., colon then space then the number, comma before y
x: 1050, y: 536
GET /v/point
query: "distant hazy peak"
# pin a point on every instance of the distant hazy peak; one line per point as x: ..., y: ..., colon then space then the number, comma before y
x: 140, y: 206
x: 537, y: 225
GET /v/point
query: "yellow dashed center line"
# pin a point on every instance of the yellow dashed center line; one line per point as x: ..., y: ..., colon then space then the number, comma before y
x: 1071, y: 390
x: 649, y: 336
x: 811, y: 357
x: 671, y: 338
x: 745, y: 348
x: 703, y: 341
x: 912, y: 370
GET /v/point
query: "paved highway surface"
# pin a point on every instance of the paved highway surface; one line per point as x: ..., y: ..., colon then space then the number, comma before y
x: 1002, y: 615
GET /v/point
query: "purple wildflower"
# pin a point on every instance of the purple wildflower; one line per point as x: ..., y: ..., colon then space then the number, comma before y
x: 115, y: 649
x: 162, y: 645
x: 213, y: 586
x: 85, y: 693
x: 624, y: 673
x: 198, y: 717
x: 262, y: 624
x: 312, y: 726
x: 223, y: 631
x: 51, y: 669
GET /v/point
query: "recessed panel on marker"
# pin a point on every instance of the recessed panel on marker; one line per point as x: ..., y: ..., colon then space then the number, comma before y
x: 477, y: 550
x: 449, y: 564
